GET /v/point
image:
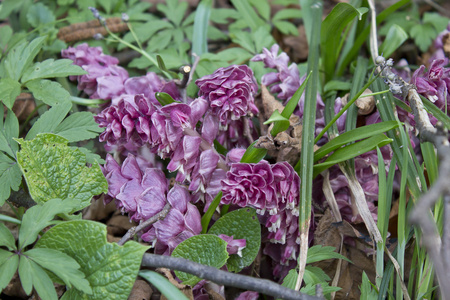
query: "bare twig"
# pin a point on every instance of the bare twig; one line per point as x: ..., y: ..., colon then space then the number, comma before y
x: 263, y: 286
x: 129, y: 235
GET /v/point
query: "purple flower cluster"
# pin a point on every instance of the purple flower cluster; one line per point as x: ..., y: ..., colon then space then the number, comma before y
x: 434, y: 83
x: 273, y: 190
x: 142, y: 192
x: 105, y: 79
x: 229, y: 92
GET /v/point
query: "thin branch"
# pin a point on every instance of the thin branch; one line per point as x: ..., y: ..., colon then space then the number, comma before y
x: 132, y: 231
x: 263, y: 286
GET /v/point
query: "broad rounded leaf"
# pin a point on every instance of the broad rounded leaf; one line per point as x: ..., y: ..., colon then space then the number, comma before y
x: 110, y: 269
x: 241, y: 224
x: 54, y: 170
x: 8, y: 266
x: 206, y: 249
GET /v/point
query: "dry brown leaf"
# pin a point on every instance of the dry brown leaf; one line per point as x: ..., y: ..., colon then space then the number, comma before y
x: 118, y: 225
x: 185, y: 289
x: 141, y: 291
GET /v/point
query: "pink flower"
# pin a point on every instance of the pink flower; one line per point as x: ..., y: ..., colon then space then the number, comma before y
x: 229, y: 92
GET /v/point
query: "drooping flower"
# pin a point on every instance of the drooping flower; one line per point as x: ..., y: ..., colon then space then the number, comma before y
x: 105, y: 79
x: 234, y: 246
x: 434, y: 83
x: 229, y: 92
x: 139, y: 189
x: 182, y: 222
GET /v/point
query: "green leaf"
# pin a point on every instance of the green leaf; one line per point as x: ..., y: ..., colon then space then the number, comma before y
x: 263, y: 8
x: 248, y: 14
x: 10, y: 219
x: 6, y: 238
x: 49, y: 120
x: 110, y: 269
x: 240, y: 224
x: 164, y: 98
x: 290, y: 107
x: 10, y: 177
x: 21, y: 56
x: 78, y: 127
x: 8, y: 266
x: 51, y: 68
x: 286, y: 27
x: 310, y: 289
x: 253, y: 155
x: 49, y: 92
x: 5, y: 35
x: 291, y: 279
x: 354, y: 135
x: 206, y: 249
x: 41, y: 281
x: 210, y: 212
x: 319, y: 252
x: 395, y: 37
x: 9, y: 90
x: 352, y: 151
x: 38, y: 217
x: 439, y: 22
x: 62, y: 265
x: 289, y: 13
x: 436, y: 112
x: 39, y: 14
x: 366, y: 288
x: 337, y: 85
x: 315, y: 275
x: 163, y: 285
x: 54, y: 170
x: 202, y: 14
x: 283, y: 122
x: 8, y: 131
x: 423, y: 35
x: 330, y: 34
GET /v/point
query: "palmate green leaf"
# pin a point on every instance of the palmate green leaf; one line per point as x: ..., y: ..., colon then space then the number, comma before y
x: 51, y: 68
x: 439, y: 22
x: 39, y: 14
x: 262, y: 7
x: 62, y: 265
x: 330, y: 36
x: 163, y: 285
x: 78, y: 127
x: 38, y: 217
x: 9, y: 90
x: 41, y: 281
x: 8, y: 266
x: 54, y: 170
x: 289, y: 13
x: 286, y: 27
x: 10, y: 177
x: 248, y: 14
x: 6, y: 238
x: 241, y: 224
x: 110, y: 269
x: 423, y: 35
x: 319, y: 252
x: 8, y: 131
x: 354, y: 135
x: 291, y: 279
x: 21, y: 56
x: 395, y: 37
x: 49, y: 92
x: 310, y: 289
x: 352, y: 151
x: 315, y: 275
x: 49, y: 120
x: 206, y: 249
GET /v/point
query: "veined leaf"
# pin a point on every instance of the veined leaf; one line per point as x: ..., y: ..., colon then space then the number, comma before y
x: 9, y: 90
x: 78, y: 127
x: 8, y: 266
x: 54, y: 170
x: 6, y: 238
x: 49, y: 92
x: 10, y: 177
x: 51, y: 68
x: 248, y: 14
x: 110, y: 269
x: 206, y: 249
